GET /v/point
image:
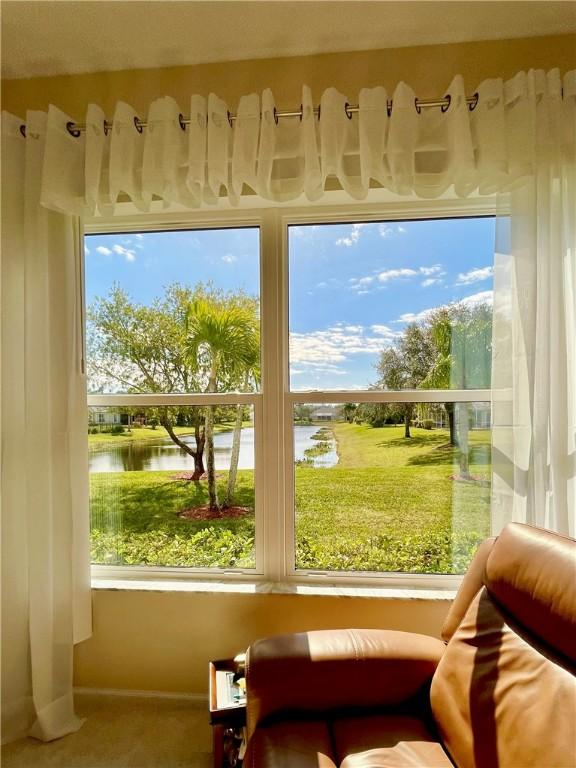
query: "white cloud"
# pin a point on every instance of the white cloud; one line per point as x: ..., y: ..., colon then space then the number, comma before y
x: 383, y: 330
x: 86, y: 250
x: 229, y: 258
x: 482, y: 297
x: 430, y: 281
x: 128, y: 254
x: 475, y: 276
x: 305, y: 231
x: 103, y: 250
x: 388, y: 230
x: 337, y: 343
x: 396, y: 274
x: 352, y: 237
x: 361, y: 284
x: 139, y: 236
x: 430, y: 270
x: 415, y: 317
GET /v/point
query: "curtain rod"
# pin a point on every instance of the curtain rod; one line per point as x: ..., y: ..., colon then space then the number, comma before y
x: 75, y: 129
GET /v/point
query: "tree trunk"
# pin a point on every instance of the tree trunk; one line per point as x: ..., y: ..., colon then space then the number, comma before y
x: 234, y: 457
x: 407, y: 419
x: 209, y: 432
x: 451, y: 423
x: 200, y: 437
x: 197, y: 454
x: 463, y: 441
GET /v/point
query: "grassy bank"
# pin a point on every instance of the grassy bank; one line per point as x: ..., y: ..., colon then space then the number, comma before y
x: 136, y: 434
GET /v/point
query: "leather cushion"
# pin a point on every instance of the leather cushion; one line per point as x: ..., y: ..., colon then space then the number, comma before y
x: 387, y: 741
x: 472, y: 583
x: 532, y: 574
x: 500, y: 701
x: 337, y: 669
x: 292, y: 743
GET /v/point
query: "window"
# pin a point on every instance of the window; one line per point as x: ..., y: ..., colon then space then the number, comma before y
x: 291, y: 397
x: 399, y: 482
x: 173, y: 356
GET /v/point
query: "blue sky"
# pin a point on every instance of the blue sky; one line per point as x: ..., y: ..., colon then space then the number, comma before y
x: 353, y: 287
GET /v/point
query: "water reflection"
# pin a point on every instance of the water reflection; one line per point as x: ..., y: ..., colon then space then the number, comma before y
x: 162, y: 454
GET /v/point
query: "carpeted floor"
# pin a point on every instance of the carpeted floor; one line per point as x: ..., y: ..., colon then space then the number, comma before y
x: 124, y: 732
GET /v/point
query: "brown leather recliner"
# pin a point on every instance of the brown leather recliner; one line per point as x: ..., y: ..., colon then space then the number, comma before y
x: 500, y: 692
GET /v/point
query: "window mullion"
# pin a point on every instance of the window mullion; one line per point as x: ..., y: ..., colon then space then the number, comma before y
x: 273, y: 461
x: 393, y: 396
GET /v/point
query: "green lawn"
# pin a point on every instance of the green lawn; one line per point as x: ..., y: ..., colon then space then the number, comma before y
x: 391, y: 504
x: 135, y: 521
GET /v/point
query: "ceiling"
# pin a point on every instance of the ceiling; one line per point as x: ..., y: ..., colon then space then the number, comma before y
x: 55, y: 37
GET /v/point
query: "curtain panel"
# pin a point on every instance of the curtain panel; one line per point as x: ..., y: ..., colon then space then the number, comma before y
x: 404, y: 149
x: 46, y: 599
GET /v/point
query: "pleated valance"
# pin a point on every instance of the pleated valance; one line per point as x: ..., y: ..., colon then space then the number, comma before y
x: 482, y: 147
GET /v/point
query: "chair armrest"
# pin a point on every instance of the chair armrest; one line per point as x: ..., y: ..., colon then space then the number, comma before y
x: 333, y: 669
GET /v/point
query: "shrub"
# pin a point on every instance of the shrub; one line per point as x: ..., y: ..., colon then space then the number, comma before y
x: 428, y: 423
x: 117, y: 429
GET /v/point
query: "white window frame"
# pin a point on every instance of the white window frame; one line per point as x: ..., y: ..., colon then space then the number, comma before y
x: 273, y: 404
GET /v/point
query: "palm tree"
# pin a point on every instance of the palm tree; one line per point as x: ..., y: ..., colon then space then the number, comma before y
x: 222, y: 335
x: 252, y: 375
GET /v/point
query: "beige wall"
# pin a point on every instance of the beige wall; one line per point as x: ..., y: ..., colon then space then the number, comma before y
x: 163, y: 641
x: 428, y: 69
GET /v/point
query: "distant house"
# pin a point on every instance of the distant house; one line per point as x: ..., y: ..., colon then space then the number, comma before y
x: 323, y: 414
x: 99, y: 415
x: 480, y: 415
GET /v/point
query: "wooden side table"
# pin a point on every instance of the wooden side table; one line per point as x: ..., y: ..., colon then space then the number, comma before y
x: 227, y: 722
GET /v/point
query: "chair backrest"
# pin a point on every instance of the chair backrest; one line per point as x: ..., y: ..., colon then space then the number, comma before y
x: 504, y: 693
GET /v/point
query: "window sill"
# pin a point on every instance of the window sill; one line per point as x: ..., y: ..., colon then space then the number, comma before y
x: 273, y: 588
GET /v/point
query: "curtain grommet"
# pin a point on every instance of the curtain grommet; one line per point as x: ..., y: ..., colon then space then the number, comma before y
x: 275, y: 113
x: 476, y: 98
x: 137, y: 124
x: 72, y: 130
x: 230, y: 121
x: 417, y: 106
x: 22, y: 130
x: 181, y: 122
x: 301, y: 112
x: 389, y: 108
x: 446, y: 107
x: 106, y: 127
x: 347, y: 111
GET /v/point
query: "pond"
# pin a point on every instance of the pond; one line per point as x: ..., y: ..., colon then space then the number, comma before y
x: 162, y: 454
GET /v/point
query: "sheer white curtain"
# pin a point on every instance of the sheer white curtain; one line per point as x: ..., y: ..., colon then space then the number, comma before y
x: 534, y: 350
x: 45, y: 546
x: 409, y: 152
